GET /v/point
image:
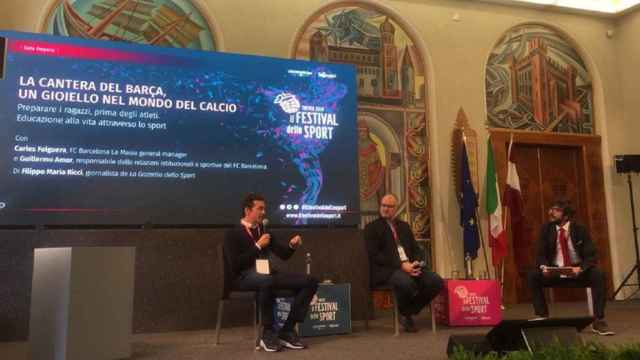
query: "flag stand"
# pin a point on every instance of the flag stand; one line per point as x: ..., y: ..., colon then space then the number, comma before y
x: 468, y: 267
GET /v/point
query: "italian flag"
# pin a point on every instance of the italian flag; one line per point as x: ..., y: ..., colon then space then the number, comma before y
x: 497, y: 233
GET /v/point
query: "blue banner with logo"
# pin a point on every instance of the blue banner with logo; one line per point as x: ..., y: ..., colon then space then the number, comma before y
x: 329, y: 312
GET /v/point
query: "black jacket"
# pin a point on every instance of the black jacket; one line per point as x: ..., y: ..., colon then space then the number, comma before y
x: 241, y: 251
x: 383, y: 251
x: 547, y: 248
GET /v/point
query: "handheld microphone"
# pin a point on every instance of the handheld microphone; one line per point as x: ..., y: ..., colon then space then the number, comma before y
x: 265, y: 222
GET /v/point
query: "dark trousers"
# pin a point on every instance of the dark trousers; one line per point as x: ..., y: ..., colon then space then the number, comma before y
x: 591, y: 277
x: 303, y: 286
x: 414, y: 292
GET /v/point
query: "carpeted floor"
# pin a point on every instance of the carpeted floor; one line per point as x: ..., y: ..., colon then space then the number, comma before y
x: 376, y: 343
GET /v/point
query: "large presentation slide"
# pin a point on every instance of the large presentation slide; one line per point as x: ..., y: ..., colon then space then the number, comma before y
x: 106, y: 133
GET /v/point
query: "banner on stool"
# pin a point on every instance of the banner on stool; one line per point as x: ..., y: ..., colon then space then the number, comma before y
x: 468, y: 303
x: 281, y: 310
x: 329, y: 312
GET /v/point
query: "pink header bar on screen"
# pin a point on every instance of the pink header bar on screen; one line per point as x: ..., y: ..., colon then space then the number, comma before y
x: 31, y: 47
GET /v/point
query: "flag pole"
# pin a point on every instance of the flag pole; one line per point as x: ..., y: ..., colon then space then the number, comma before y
x: 506, y: 217
x: 484, y: 248
x: 502, y: 262
x: 502, y: 285
x: 496, y: 270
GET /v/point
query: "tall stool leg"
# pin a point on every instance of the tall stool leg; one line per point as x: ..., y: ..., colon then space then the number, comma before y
x: 589, y: 301
x: 433, y: 318
x: 396, y: 315
x: 219, y: 320
x: 548, y: 292
x: 257, y: 323
x: 369, y: 310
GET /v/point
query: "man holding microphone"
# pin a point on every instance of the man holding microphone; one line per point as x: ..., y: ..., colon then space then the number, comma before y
x: 249, y: 248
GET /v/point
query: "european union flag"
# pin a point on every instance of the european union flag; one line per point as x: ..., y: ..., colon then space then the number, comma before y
x: 469, y: 203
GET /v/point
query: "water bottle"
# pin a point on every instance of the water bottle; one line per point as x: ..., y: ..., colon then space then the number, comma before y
x: 307, y: 261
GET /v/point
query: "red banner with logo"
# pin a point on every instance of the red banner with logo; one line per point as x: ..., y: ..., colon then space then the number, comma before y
x: 469, y: 303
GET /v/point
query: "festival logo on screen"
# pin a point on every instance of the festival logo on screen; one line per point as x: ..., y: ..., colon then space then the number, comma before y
x: 171, y: 23
x: 288, y: 102
x: 310, y: 121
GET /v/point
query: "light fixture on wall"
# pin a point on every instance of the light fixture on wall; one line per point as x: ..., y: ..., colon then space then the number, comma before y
x: 610, y: 33
x: 601, y: 6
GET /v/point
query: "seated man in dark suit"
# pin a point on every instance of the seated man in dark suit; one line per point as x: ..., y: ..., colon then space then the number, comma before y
x: 565, y: 243
x: 248, y: 248
x: 394, y: 258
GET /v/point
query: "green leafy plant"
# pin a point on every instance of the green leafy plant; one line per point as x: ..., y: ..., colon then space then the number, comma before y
x: 557, y: 351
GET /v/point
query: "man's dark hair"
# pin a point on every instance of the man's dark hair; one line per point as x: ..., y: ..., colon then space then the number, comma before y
x: 247, y: 202
x: 565, y: 206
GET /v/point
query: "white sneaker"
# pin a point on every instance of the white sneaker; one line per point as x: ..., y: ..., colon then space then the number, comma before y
x: 600, y: 327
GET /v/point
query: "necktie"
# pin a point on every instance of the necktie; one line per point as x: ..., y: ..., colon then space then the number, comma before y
x: 393, y: 230
x: 254, y: 233
x: 564, y: 246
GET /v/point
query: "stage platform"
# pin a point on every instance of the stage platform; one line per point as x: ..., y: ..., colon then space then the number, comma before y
x: 376, y: 343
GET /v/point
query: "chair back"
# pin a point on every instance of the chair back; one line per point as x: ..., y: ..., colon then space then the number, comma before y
x: 370, y: 286
x: 224, y: 268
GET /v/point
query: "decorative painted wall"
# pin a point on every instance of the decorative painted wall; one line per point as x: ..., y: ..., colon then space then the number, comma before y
x: 392, y: 119
x: 173, y: 23
x: 537, y: 81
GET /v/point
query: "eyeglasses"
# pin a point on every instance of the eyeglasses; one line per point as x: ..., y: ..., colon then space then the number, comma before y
x: 388, y: 205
